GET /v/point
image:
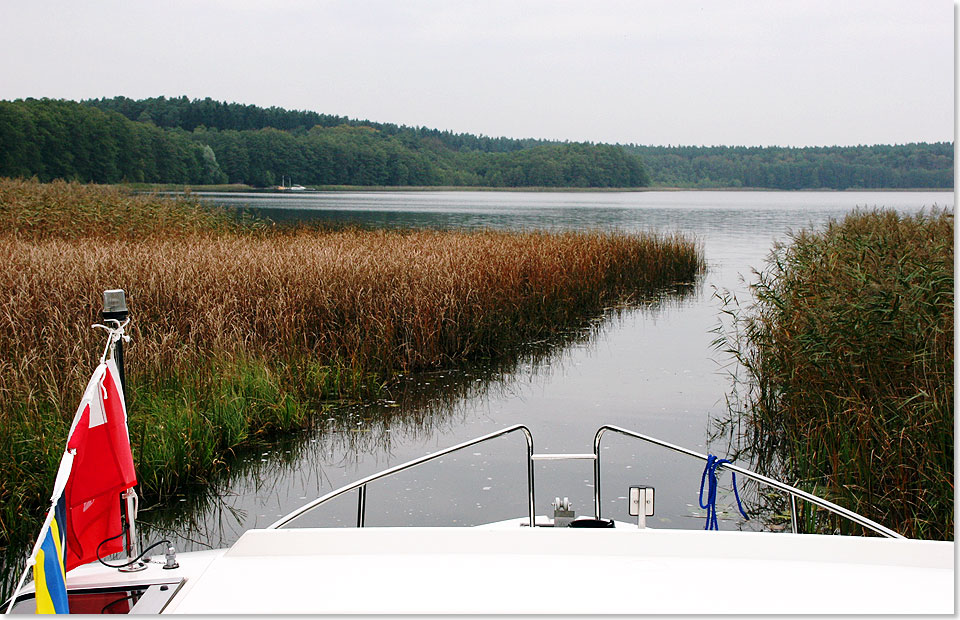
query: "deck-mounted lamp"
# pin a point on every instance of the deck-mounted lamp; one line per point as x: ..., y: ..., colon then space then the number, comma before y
x: 115, y: 307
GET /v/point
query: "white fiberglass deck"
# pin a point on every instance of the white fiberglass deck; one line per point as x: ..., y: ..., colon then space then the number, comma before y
x: 565, y: 570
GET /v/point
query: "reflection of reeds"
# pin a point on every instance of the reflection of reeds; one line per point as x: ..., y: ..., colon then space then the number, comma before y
x: 413, y: 406
x: 236, y: 327
x: 846, y: 368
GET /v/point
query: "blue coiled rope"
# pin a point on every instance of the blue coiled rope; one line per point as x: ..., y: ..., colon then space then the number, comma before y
x: 710, y: 471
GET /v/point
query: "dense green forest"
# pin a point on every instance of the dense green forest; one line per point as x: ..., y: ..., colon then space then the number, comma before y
x: 179, y: 140
x: 361, y: 155
x: 62, y: 139
x: 184, y: 113
x: 53, y: 139
x: 831, y: 167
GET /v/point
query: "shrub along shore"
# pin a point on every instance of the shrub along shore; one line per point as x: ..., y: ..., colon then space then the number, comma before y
x: 847, y: 368
x: 241, y: 330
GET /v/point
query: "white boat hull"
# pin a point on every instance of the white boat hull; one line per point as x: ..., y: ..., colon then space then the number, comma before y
x: 562, y: 571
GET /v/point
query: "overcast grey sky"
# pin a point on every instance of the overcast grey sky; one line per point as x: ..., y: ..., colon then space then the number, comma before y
x: 754, y: 72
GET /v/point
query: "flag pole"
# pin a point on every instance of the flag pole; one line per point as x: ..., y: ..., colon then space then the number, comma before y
x: 63, y: 473
x: 115, y: 309
x: 31, y: 560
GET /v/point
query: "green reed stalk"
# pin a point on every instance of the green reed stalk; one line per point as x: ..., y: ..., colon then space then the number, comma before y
x: 846, y: 363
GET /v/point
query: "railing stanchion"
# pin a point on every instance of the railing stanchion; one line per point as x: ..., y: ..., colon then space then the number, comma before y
x: 793, y: 514
x: 596, y: 473
x: 362, y: 505
x: 531, y: 500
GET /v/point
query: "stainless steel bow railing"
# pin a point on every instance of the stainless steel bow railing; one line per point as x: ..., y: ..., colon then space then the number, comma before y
x: 362, y: 483
x: 793, y: 492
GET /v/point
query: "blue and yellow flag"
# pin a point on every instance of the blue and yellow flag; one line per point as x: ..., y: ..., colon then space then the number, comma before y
x: 49, y: 572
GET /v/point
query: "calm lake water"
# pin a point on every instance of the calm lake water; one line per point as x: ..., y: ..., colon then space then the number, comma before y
x: 649, y: 369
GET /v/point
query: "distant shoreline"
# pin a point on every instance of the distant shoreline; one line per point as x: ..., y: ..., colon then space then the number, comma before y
x: 239, y: 188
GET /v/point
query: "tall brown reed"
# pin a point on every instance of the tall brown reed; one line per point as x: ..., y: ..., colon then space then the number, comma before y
x: 847, y: 366
x: 237, y: 326
x: 68, y: 210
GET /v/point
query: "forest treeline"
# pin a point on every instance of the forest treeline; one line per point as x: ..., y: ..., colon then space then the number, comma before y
x: 917, y: 165
x: 202, y: 141
x: 189, y: 114
x: 53, y: 139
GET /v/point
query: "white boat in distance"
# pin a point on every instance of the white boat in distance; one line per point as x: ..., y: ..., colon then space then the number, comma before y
x: 283, y: 187
x: 533, y: 564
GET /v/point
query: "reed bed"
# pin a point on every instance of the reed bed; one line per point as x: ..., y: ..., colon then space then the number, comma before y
x: 847, y: 367
x: 66, y: 210
x: 240, y: 331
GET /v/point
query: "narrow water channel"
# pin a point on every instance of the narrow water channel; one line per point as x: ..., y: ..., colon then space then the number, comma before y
x: 649, y: 368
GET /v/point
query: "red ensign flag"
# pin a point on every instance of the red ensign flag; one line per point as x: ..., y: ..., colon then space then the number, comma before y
x: 102, y: 469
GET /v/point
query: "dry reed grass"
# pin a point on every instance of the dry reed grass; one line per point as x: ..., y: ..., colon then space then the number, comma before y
x: 381, y: 300
x: 67, y: 210
x: 237, y: 326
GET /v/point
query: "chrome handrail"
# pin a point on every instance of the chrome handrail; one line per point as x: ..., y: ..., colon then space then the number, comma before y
x: 362, y: 483
x: 786, y: 488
